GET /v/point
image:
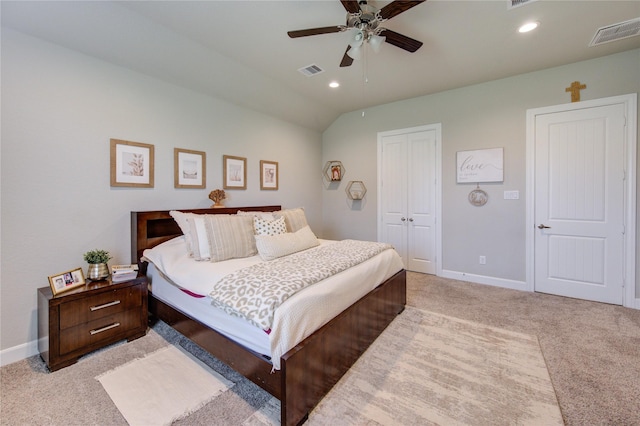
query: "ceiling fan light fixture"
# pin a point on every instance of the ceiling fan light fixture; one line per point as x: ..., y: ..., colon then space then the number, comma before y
x: 358, y: 39
x: 375, y: 41
x: 355, y: 52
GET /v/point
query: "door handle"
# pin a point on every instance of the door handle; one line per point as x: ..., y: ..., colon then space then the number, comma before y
x: 410, y: 219
x: 543, y: 226
x: 403, y: 219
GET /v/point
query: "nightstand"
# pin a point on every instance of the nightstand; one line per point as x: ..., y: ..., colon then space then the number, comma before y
x: 100, y: 313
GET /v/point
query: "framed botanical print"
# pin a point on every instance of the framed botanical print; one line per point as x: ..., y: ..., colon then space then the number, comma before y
x: 234, y: 170
x: 131, y: 164
x: 189, y: 168
x: 268, y: 175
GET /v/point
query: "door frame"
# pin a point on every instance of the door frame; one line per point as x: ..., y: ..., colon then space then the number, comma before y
x: 438, y: 226
x: 630, y: 155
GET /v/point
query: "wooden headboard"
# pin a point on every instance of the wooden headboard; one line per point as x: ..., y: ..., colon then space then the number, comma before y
x: 148, y: 229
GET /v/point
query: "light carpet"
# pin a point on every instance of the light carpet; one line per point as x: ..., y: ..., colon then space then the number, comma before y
x: 162, y: 387
x: 428, y: 368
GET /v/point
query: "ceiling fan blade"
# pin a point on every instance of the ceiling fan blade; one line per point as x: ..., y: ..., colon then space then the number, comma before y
x: 401, y: 41
x: 346, y: 59
x: 313, y: 31
x: 351, y: 6
x: 397, y: 7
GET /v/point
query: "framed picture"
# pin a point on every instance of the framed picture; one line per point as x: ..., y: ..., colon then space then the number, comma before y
x: 234, y: 170
x: 66, y: 281
x: 189, y: 168
x: 131, y: 164
x: 481, y: 165
x: 268, y: 175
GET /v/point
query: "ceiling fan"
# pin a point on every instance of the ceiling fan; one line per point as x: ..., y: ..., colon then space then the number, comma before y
x: 365, y: 20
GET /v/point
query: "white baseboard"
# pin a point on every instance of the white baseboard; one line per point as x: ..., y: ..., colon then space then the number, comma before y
x: 18, y: 353
x: 482, y: 279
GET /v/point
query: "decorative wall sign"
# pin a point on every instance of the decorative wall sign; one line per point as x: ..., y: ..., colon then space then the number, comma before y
x: 189, y: 168
x: 482, y: 165
x: 131, y: 164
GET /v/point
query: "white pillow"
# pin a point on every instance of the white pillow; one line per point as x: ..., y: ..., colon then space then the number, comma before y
x: 181, y: 220
x: 230, y: 236
x: 269, y: 227
x: 295, y: 218
x: 274, y: 246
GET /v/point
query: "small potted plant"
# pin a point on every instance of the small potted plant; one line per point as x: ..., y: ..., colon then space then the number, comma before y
x: 97, y: 260
x: 217, y: 195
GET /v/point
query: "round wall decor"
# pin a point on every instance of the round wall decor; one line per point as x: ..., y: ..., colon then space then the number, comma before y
x: 478, y: 197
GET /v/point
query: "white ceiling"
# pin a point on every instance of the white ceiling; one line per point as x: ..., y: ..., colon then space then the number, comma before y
x: 239, y: 50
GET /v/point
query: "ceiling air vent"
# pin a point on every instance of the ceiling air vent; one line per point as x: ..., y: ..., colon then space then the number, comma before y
x: 311, y: 70
x: 517, y: 3
x: 615, y: 32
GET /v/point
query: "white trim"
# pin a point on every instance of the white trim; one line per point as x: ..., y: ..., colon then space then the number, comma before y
x: 631, y: 111
x: 483, y: 279
x: 438, y: 129
x: 18, y: 353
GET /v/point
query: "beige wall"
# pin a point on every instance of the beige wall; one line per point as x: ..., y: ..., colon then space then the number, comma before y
x: 487, y: 115
x: 59, y: 110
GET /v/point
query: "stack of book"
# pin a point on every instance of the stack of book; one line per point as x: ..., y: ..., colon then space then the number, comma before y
x: 120, y: 273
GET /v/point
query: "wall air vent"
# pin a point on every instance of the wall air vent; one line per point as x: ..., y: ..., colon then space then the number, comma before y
x: 511, y: 4
x: 311, y: 70
x: 616, y: 32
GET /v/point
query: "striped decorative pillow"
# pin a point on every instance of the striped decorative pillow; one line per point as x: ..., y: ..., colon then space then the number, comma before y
x: 294, y: 218
x: 230, y: 236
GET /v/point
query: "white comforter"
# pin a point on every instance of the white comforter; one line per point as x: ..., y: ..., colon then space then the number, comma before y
x: 298, y: 316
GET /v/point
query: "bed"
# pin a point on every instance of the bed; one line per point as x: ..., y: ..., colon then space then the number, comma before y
x: 311, y: 367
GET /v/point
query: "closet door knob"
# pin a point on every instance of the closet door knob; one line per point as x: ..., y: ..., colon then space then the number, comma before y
x: 411, y: 219
x: 403, y: 219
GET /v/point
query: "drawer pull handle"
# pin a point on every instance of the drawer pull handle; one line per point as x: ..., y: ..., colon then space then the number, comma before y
x: 108, y: 327
x: 106, y: 305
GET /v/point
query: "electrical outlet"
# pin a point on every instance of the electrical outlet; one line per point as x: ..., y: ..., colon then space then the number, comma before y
x: 483, y: 260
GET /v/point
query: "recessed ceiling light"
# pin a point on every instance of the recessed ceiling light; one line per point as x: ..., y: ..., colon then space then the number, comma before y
x: 334, y: 84
x: 529, y: 26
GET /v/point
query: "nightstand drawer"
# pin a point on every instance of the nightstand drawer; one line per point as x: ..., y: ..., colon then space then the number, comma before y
x: 98, y: 330
x: 92, y: 308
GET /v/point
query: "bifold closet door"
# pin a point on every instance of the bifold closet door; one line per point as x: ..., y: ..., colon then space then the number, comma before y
x: 408, y: 197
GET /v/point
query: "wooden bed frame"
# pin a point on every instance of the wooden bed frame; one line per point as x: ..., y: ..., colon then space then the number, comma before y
x: 310, y: 369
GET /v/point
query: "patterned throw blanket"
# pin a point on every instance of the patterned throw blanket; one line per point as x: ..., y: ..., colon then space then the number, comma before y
x: 255, y: 292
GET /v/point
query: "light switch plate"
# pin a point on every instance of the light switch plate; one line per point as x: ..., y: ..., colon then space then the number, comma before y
x: 511, y: 195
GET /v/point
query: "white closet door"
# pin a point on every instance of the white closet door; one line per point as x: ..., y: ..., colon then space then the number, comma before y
x: 394, y: 193
x: 421, y: 202
x: 408, y: 197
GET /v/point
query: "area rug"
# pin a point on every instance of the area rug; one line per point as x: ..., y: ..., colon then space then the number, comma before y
x: 162, y: 387
x: 428, y: 369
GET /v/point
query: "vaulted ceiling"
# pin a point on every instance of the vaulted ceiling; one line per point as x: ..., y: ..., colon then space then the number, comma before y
x: 239, y: 51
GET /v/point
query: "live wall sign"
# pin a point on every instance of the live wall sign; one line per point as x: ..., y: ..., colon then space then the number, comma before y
x: 482, y: 165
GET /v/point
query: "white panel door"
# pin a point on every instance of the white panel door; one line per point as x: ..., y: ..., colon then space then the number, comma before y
x: 394, y: 193
x: 408, y: 197
x: 421, y: 184
x: 579, y: 203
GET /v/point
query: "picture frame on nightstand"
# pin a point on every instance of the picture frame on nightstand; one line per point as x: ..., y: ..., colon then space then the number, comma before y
x: 66, y: 281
